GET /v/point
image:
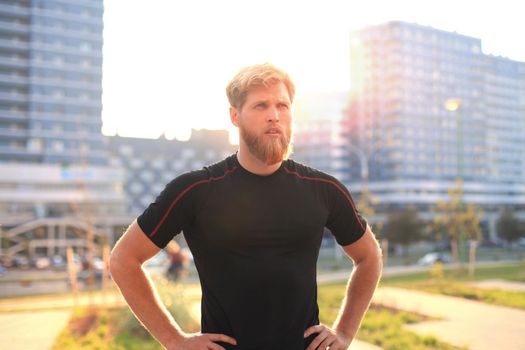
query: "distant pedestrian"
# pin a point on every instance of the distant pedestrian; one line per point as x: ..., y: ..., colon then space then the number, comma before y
x: 178, y: 261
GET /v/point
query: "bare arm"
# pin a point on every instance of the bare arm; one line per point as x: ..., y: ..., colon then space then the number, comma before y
x: 366, y: 256
x: 127, y: 257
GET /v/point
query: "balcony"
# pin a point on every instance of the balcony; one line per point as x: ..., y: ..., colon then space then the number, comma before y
x: 66, y: 67
x: 18, y: 153
x: 13, y: 97
x: 14, y: 10
x: 13, y: 133
x: 14, y: 62
x: 62, y: 32
x: 70, y: 84
x: 89, y: 102
x: 66, y: 117
x: 74, y: 51
x: 14, y: 44
x: 14, y: 27
x: 66, y: 135
x: 14, y: 79
x: 12, y: 116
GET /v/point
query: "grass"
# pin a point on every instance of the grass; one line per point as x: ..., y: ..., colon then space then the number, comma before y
x: 381, y: 326
x: 458, y: 283
x: 327, y: 260
x: 118, y: 329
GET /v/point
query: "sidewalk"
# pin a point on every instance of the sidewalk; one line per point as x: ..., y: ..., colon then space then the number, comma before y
x: 501, y: 284
x: 33, y: 323
x: 61, y: 302
x: 31, y: 330
x: 467, y: 323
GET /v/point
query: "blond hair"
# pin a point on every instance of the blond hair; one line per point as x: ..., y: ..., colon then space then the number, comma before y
x: 256, y: 75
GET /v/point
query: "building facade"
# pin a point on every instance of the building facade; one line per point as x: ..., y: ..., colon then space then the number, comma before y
x: 56, y: 187
x: 415, y: 148
x: 150, y: 164
x: 317, y: 137
x: 51, y: 81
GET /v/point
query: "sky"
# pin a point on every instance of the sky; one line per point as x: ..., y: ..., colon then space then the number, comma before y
x: 166, y: 63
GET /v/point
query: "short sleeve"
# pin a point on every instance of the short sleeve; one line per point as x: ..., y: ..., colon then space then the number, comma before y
x: 171, y: 211
x: 344, y: 220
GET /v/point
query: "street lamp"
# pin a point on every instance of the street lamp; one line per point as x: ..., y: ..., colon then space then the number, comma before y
x: 455, y: 105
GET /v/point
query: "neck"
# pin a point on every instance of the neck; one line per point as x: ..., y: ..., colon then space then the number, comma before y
x: 249, y: 162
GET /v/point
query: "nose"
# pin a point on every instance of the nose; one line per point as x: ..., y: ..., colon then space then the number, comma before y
x: 272, y: 115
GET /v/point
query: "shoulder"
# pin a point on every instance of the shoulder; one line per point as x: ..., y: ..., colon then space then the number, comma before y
x: 306, y: 172
x: 206, y: 175
x: 330, y: 184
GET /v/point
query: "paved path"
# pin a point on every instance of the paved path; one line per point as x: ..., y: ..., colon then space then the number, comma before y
x: 33, y: 323
x: 31, y: 331
x: 464, y: 323
x: 501, y: 284
x: 472, y: 324
x: 60, y: 302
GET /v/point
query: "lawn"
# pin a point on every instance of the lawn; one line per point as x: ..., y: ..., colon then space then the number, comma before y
x: 118, y: 329
x: 457, y: 283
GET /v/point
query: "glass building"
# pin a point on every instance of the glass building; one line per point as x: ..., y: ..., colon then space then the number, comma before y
x: 402, y: 76
x: 51, y: 81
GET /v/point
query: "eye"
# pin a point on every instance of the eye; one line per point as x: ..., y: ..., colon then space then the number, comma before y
x: 261, y: 105
x: 283, y: 106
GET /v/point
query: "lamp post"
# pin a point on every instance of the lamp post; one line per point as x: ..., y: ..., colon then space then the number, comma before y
x: 455, y: 105
x: 364, y: 158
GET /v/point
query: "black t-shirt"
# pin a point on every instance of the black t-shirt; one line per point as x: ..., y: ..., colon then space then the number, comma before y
x: 255, y: 242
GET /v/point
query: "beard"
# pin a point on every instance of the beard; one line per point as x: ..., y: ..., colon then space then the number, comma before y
x: 269, y: 150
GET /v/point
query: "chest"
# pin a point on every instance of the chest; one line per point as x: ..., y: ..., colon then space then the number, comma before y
x: 257, y: 216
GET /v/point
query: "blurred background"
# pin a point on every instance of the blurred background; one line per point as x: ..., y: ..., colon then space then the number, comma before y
x: 417, y: 107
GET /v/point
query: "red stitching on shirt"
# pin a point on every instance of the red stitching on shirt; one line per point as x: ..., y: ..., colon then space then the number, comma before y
x: 184, y: 192
x: 330, y: 182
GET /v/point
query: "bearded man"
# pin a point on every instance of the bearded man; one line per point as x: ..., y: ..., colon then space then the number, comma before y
x: 254, y: 223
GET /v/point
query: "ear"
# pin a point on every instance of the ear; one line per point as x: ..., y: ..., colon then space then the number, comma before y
x: 234, y: 116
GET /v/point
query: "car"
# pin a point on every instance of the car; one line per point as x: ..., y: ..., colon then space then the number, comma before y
x: 58, y: 261
x: 434, y: 257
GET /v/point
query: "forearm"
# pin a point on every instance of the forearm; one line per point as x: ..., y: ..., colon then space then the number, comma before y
x: 359, y: 292
x: 141, y: 296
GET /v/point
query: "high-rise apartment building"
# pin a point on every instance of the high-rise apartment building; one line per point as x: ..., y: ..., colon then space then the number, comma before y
x: 415, y: 147
x: 317, y: 137
x: 55, y: 185
x: 51, y: 81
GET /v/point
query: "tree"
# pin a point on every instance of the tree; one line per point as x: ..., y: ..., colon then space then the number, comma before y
x: 508, y: 226
x: 404, y: 227
x: 366, y: 204
x: 457, y: 220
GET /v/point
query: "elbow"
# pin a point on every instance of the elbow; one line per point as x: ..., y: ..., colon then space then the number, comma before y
x: 116, y: 264
x: 379, y: 258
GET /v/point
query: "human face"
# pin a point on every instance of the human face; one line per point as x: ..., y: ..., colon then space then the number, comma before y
x: 264, y: 123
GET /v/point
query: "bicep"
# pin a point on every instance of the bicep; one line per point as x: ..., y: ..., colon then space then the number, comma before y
x: 365, y: 247
x: 134, y: 245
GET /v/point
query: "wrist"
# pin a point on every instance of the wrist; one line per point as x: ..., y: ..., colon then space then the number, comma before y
x: 345, y: 333
x: 174, y: 340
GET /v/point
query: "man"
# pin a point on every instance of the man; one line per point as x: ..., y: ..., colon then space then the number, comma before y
x: 254, y: 223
